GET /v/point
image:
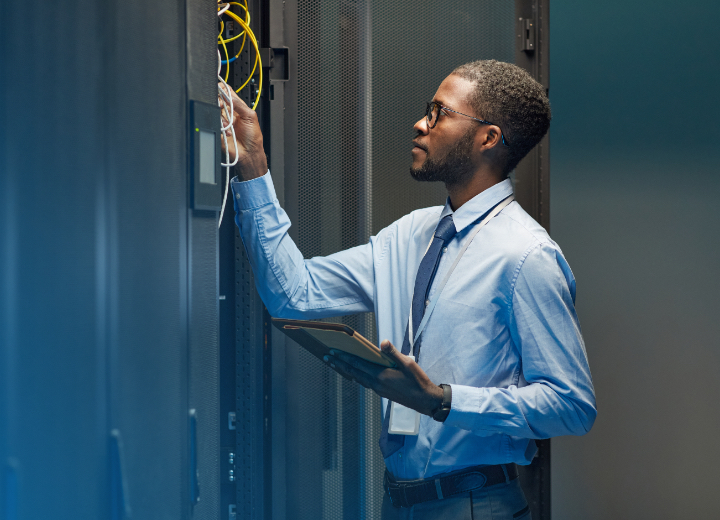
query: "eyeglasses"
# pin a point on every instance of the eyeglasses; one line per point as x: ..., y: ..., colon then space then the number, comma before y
x: 432, y: 114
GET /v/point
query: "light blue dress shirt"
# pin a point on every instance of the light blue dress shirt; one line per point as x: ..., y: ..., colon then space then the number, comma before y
x: 504, y: 333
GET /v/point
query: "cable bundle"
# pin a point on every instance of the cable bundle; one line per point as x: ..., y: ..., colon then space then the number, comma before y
x: 224, y: 90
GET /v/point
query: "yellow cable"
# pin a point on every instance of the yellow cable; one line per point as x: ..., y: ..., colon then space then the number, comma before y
x: 242, y: 46
x: 227, y: 62
x: 222, y: 28
x: 257, y: 57
x: 220, y: 40
x: 244, y: 33
x: 247, y: 21
x: 247, y: 31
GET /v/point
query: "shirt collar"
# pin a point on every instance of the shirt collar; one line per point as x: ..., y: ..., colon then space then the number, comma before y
x: 478, y: 205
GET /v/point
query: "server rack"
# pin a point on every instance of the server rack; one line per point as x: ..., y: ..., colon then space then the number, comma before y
x: 108, y: 285
x: 350, y: 80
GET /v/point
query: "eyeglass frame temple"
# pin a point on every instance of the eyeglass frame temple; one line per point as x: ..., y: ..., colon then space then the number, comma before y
x: 428, y: 112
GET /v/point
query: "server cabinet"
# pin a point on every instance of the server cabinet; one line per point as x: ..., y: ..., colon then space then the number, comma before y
x: 337, y: 128
x: 246, y: 424
x: 108, y: 292
x: 51, y: 366
x: 531, y: 181
x: 203, y: 286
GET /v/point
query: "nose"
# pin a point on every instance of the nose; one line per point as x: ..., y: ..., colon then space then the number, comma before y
x: 421, y: 126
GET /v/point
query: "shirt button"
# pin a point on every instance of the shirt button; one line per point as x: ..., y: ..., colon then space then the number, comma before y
x: 400, y: 455
x: 237, y: 195
x: 427, y: 302
x: 444, y: 249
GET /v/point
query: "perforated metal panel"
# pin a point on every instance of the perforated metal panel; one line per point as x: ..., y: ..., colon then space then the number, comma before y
x: 410, y: 60
x: 364, y: 71
x: 53, y: 435
x: 96, y: 244
x: 251, y: 428
x: 147, y: 254
x: 203, y: 394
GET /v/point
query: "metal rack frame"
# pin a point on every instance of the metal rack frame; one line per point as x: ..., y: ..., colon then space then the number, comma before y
x: 254, y: 390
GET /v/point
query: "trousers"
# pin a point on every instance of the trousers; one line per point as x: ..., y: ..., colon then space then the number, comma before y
x: 499, y: 502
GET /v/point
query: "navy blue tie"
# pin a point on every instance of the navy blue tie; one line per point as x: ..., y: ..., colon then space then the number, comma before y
x: 444, y: 232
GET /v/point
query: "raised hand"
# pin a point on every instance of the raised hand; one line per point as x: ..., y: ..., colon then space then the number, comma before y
x: 252, y: 161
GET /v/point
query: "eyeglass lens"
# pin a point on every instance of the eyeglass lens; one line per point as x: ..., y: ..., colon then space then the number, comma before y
x: 431, y: 113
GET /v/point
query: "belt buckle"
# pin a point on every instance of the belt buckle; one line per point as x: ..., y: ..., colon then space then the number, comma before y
x: 472, y: 480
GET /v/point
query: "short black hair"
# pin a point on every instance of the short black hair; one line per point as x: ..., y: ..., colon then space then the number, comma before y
x: 509, y: 97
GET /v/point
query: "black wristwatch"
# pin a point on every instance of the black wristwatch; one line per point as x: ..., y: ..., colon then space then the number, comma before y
x: 440, y: 413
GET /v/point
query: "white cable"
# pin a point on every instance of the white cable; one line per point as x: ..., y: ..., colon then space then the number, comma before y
x: 227, y: 183
x: 224, y: 99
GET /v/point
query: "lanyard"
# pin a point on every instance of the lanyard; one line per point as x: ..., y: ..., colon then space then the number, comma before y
x: 433, y: 302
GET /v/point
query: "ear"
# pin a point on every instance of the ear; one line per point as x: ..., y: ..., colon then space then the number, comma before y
x: 487, y: 138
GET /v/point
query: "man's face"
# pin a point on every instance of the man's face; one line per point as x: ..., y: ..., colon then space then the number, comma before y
x: 444, y: 153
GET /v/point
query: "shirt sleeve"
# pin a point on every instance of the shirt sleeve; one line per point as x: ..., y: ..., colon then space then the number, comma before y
x: 290, y: 286
x: 554, y: 395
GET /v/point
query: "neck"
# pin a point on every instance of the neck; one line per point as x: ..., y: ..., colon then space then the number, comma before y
x: 460, y: 194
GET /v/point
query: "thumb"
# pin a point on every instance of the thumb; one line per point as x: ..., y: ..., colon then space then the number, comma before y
x: 389, y: 349
x: 240, y: 107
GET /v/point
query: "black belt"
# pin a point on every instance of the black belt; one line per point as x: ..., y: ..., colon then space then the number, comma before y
x: 406, y: 493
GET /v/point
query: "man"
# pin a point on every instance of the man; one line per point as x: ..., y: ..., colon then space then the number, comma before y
x: 476, y: 291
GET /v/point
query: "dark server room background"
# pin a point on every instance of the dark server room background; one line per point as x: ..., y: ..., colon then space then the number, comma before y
x: 109, y: 312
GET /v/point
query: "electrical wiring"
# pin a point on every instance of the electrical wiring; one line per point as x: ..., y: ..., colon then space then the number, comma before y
x: 242, y: 46
x: 243, y: 33
x: 221, y: 11
x: 257, y: 57
x: 225, y: 41
x: 224, y: 8
x: 225, y: 93
x: 227, y: 56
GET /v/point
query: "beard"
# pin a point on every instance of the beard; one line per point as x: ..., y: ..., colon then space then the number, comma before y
x: 454, y: 169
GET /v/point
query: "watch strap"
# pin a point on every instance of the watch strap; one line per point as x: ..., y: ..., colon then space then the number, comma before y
x: 441, y: 413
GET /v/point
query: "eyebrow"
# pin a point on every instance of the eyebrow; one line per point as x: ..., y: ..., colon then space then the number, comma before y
x: 443, y: 105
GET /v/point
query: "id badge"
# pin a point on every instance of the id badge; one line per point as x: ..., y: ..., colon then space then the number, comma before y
x: 403, y: 420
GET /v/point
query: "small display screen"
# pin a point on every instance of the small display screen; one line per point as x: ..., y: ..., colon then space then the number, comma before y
x: 207, y: 157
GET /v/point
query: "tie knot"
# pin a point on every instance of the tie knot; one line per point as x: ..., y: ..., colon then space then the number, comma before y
x: 445, y: 229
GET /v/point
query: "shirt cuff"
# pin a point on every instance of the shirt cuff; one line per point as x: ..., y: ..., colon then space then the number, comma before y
x: 465, y: 407
x: 253, y: 193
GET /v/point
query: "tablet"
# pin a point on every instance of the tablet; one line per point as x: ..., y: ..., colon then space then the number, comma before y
x: 318, y: 338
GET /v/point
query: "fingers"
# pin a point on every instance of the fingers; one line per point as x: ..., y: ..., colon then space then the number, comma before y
x: 239, y: 102
x: 224, y: 120
x: 409, y: 385
x: 240, y: 107
x: 246, y: 149
x: 388, y: 348
x: 356, y: 363
x: 224, y: 95
x: 348, y: 371
x: 400, y: 359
